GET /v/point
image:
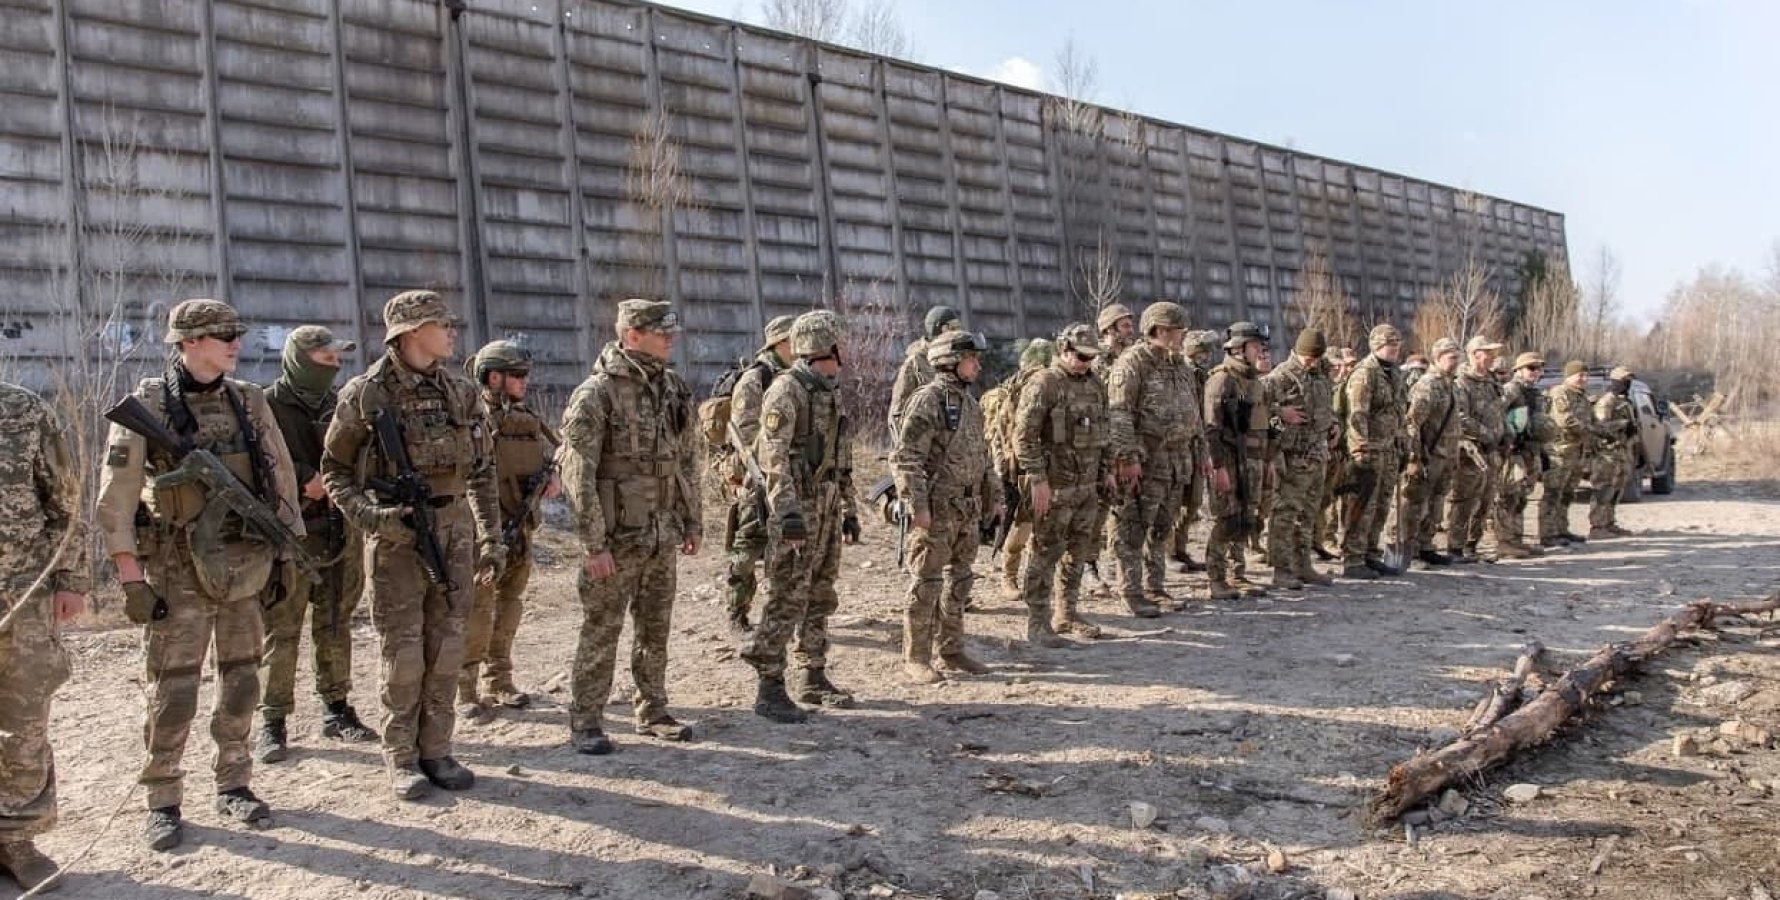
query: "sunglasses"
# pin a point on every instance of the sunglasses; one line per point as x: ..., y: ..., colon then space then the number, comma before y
x: 1084, y: 357
x: 227, y: 337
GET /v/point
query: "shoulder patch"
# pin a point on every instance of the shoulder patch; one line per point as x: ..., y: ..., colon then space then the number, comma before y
x: 773, y: 421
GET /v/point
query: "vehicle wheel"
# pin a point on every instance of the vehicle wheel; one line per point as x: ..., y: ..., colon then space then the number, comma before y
x: 1665, y: 482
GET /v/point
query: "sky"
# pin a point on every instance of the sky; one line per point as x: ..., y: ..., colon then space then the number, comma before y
x: 1641, y: 121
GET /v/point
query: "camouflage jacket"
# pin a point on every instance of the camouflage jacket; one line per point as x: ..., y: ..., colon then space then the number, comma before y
x: 1237, y: 413
x: 914, y: 372
x: 1573, y: 420
x: 42, y: 531
x: 941, y: 456
x: 1615, y: 424
x: 1528, y: 425
x: 1110, y: 351
x: 1062, y: 430
x: 805, y: 449
x: 1432, y: 423
x: 750, y: 391
x: 1153, y: 405
x: 523, y: 447
x: 1374, y: 407
x: 1000, y: 406
x: 1293, y: 384
x: 304, y: 427
x: 1481, y: 411
x: 629, y: 455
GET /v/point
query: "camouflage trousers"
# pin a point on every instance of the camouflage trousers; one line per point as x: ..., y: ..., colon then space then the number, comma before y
x: 940, y: 559
x: 643, y: 586
x: 1424, y: 501
x: 420, y: 627
x: 1560, y: 481
x: 175, y: 649
x: 1147, y: 520
x: 493, y: 623
x: 1235, y: 517
x: 1067, y: 537
x: 1328, y: 516
x: 329, y: 605
x: 1612, y: 469
x: 33, y: 665
x: 800, y: 594
x: 1474, y: 490
x: 1368, y: 507
x: 747, y: 547
x: 1189, y: 513
x: 1013, y: 553
x: 1519, y: 473
x: 1291, y: 527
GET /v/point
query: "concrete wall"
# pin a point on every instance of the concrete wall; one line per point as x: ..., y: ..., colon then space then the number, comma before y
x: 305, y: 159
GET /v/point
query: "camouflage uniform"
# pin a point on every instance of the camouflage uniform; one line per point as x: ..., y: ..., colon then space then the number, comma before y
x: 747, y: 544
x: 1329, y: 514
x: 420, y: 624
x: 630, y: 470
x: 1374, y: 446
x: 941, y: 462
x: 523, y: 448
x: 1616, y: 426
x: 1106, y: 564
x: 212, y: 594
x: 43, y: 550
x: 1200, y: 344
x: 999, y: 407
x: 1303, y: 461
x: 1573, y: 424
x: 1154, y: 414
x: 1527, y: 428
x: 1432, y: 423
x: 1237, y: 415
x: 302, y: 401
x: 1478, y: 467
x: 1062, y: 441
x: 915, y: 369
x: 806, y: 453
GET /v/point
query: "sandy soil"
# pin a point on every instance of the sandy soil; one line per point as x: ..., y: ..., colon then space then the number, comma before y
x: 1250, y: 727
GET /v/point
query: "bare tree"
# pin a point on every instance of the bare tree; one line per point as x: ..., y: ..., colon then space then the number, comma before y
x: 1549, y: 320
x: 878, y: 329
x: 1462, y: 306
x: 876, y: 28
x: 1600, y: 301
x: 1321, y: 302
x: 1099, y: 279
x: 1078, y: 85
x: 819, y: 20
x: 872, y: 26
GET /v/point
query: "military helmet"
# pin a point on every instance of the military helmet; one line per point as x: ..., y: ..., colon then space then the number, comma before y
x: 815, y: 334
x: 411, y: 309
x: 1037, y: 354
x: 1242, y: 333
x: 1202, y: 341
x: 1620, y: 373
x: 502, y: 356
x: 1078, y: 338
x: 937, y: 319
x: 1162, y: 314
x: 1110, y: 315
x: 947, y: 350
x: 192, y: 319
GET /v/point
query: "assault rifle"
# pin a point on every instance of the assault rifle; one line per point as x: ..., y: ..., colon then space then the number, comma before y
x: 756, y: 478
x: 1011, y: 498
x: 896, y: 512
x: 408, y: 488
x: 531, y: 496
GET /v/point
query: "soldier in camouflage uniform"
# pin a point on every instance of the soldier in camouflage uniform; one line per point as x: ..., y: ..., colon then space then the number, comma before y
x: 1478, y: 466
x: 806, y: 453
x: 1616, y: 427
x: 1528, y: 428
x: 190, y: 596
x: 747, y: 545
x: 1432, y: 424
x: 302, y: 400
x: 523, y: 451
x: 1328, y: 518
x: 1300, y: 383
x: 1061, y: 440
x: 999, y: 406
x: 1413, y: 369
x: 1237, y: 414
x: 1374, y: 447
x: 1157, y: 439
x: 420, y: 624
x: 915, y: 370
x: 43, y: 583
x: 1199, y: 347
x: 629, y: 463
x: 941, y: 463
x: 1117, y: 334
x: 1572, y: 427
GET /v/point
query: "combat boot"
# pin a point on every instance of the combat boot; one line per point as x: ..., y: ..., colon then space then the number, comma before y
x: 1286, y: 580
x: 29, y: 867
x: 341, y: 722
x: 241, y: 805
x: 1246, y: 588
x: 270, y: 742
x: 1513, y: 550
x: 817, y: 690
x: 1039, y: 632
x: 1575, y: 538
x: 1222, y: 590
x: 1068, y: 621
x: 665, y: 727
x: 1188, y: 565
x: 505, y: 694
x: 920, y: 671
x: 469, y: 702
x: 738, y: 626
x: 446, y: 773
x: 162, y: 830
x: 962, y: 661
x: 1142, y: 608
x: 407, y: 783
x: 1324, y: 553
x: 1554, y: 543
x: 1359, y: 571
x: 1601, y: 534
x: 1435, y: 558
x: 591, y: 742
x: 1621, y: 532
x: 917, y: 651
x: 772, y: 702
x: 1309, y: 575
x: 1383, y: 568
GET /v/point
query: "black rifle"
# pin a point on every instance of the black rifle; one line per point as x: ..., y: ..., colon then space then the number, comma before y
x: 896, y: 512
x: 531, y: 495
x: 408, y: 488
x: 1236, y: 417
x: 1011, y: 498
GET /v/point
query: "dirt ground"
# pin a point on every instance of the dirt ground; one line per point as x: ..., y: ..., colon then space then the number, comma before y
x: 1254, y: 729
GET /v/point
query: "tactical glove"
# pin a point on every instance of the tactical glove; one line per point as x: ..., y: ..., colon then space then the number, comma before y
x: 389, y: 524
x: 850, y: 531
x: 792, y: 528
x: 491, y: 559
x: 142, y: 605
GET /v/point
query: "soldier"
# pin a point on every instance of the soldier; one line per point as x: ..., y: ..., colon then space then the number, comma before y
x: 1572, y: 426
x: 1328, y: 520
x: 302, y: 400
x: 1065, y: 466
x: 43, y: 583
x: 1236, y: 421
x: 1374, y: 447
x: 442, y: 426
x: 1116, y: 332
x: 1199, y: 347
x: 999, y: 406
x: 1413, y: 369
x: 915, y: 371
x: 747, y: 547
x: 1116, y: 336
x: 1528, y: 428
x: 806, y: 454
x: 1478, y: 466
x: 1616, y: 427
x: 1300, y: 383
x: 189, y: 596
x: 524, y: 474
x: 629, y: 462
x: 1432, y: 423
x: 942, y: 468
x: 1157, y: 438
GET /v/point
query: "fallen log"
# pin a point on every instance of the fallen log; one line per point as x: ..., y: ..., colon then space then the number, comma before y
x: 1505, y: 693
x: 1535, y: 722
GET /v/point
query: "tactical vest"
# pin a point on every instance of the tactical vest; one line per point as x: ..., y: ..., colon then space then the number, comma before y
x: 815, y: 450
x: 961, y: 420
x: 522, y: 448
x: 1247, y: 412
x: 639, y: 476
x: 1307, y: 389
x: 1076, y: 429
